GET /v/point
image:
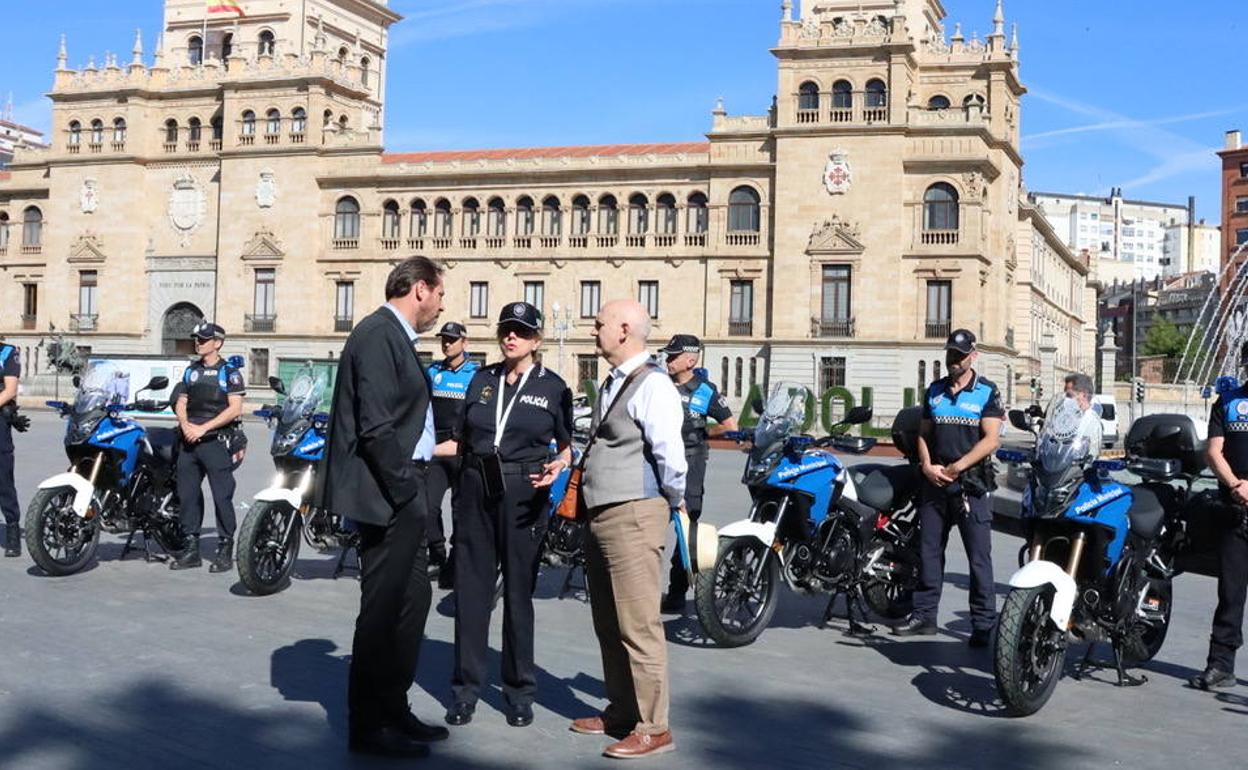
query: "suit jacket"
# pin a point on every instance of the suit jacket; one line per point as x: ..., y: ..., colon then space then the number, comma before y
x: 381, y: 398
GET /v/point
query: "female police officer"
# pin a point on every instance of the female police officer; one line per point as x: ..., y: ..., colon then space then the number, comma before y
x: 514, y: 410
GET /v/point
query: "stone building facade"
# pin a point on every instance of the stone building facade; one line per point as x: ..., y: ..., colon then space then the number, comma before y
x: 832, y: 242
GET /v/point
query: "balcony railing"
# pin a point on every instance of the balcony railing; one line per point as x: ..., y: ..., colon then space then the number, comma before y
x: 171, y: 147
x: 494, y: 242
x: 841, y: 108
x: 343, y: 323
x: 441, y: 243
x: 272, y: 138
x: 28, y: 322
x: 606, y: 241
x: 32, y: 248
x: 743, y: 239
x: 549, y: 241
x: 297, y: 138
x: 524, y: 242
x: 416, y: 243
x: 260, y: 324
x: 96, y: 147
x: 73, y: 149
x: 695, y: 239
x: 390, y: 244
x: 84, y: 322
x: 119, y: 146
x: 841, y: 115
x: 741, y: 328
x: 637, y: 241
x: 214, y: 145
x: 247, y: 140
x: 936, y: 330
x: 578, y: 241
x: 665, y: 240
x: 468, y: 243
x: 876, y: 114
x: 808, y: 116
x: 834, y: 327
x: 939, y: 237
x: 345, y: 244
x: 192, y: 146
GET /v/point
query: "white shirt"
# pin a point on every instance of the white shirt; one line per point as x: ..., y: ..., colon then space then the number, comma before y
x: 428, y: 437
x: 657, y: 408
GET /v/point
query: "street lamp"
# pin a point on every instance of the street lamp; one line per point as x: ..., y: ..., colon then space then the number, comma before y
x: 561, y: 322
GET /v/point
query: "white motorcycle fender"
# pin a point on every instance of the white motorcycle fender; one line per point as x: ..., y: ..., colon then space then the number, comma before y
x: 83, y: 491
x: 277, y: 493
x: 1038, y: 573
x: 764, y: 533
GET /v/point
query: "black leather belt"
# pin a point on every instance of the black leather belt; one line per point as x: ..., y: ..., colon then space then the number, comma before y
x: 510, y: 469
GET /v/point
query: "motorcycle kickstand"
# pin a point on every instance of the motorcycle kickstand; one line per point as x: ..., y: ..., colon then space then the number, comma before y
x: 1125, y: 679
x: 852, y: 602
x: 125, y: 549
x: 1085, y: 664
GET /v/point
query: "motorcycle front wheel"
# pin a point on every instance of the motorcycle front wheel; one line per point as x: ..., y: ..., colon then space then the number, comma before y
x: 1030, y: 650
x: 266, y: 554
x: 60, y: 541
x: 736, y: 600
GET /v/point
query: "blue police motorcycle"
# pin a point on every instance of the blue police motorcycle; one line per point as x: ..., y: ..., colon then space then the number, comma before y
x: 1098, y: 554
x: 120, y: 476
x: 819, y: 526
x: 283, y: 514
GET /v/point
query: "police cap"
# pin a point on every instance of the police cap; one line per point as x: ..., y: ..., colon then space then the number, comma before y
x: 682, y: 343
x: 207, y: 331
x: 521, y: 313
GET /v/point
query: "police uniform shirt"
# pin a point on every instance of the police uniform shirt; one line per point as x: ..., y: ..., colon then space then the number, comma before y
x: 205, y: 396
x: 1228, y: 419
x: 450, y: 386
x: 542, y: 412
x: 701, y: 400
x: 10, y: 366
x: 956, y: 418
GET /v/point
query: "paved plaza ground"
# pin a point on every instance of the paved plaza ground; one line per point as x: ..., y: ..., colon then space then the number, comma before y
x: 129, y: 665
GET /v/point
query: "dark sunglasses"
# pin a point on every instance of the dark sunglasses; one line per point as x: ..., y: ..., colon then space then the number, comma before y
x: 521, y: 331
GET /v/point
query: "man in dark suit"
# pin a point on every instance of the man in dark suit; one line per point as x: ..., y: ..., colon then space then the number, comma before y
x: 380, y: 442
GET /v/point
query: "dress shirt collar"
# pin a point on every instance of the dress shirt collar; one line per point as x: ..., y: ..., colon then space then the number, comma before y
x: 626, y: 368
x: 407, y: 327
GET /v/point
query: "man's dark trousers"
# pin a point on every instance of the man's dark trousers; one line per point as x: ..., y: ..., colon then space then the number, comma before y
x: 1228, y: 618
x: 395, y: 596
x: 207, y: 458
x: 442, y: 474
x: 939, y: 511
x: 695, y: 483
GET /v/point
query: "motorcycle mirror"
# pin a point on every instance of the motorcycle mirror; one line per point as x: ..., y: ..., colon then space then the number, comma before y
x: 859, y: 415
x: 757, y: 406
x: 77, y: 381
x: 1018, y: 418
x: 277, y: 385
x: 1034, y: 411
x: 157, y: 383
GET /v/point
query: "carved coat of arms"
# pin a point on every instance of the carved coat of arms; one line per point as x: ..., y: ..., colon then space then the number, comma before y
x: 266, y: 189
x: 187, y: 206
x: 838, y: 176
x: 89, y: 196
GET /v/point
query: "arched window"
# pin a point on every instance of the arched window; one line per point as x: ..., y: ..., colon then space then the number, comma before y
x: 97, y: 131
x: 218, y: 127
x: 227, y: 46
x: 32, y: 226
x: 743, y: 211
x: 267, y: 43
x: 347, y: 219
x: 842, y: 95
x: 390, y: 225
x: 329, y: 118
x: 195, y: 50
x: 4, y: 230
x: 342, y: 122
x: 808, y: 96
x: 723, y: 376
x: 171, y: 131
x: 298, y: 120
x: 922, y: 379
x: 419, y: 224
x: 249, y: 123
x: 343, y: 53
x: 273, y: 122
x: 442, y: 219
x: 940, y: 207
x: 974, y: 100
x: 552, y: 216
x: 666, y: 224
x: 877, y: 93
x: 75, y: 133
x: 638, y: 214
x: 364, y: 65
x: 525, y: 217
x: 608, y: 215
x: 496, y: 218
x: 472, y: 218
x: 938, y: 102
x: 195, y: 130
x: 119, y: 130
x: 580, y: 215
x: 738, y: 371
x: 699, y: 215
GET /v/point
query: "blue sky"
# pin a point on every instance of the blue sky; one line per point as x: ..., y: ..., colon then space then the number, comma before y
x: 1123, y: 93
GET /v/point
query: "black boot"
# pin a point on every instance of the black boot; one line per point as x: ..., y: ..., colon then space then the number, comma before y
x: 189, y: 558
x: 437, y: 559
x: 446, y: 575
x: 12, y: 540
x: 224, y: 560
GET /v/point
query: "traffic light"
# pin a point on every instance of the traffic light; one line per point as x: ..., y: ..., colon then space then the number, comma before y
x: 1139, y: 391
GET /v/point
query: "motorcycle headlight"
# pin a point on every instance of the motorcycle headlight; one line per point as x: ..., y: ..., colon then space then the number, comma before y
x: 760, y: 467
x: 81, y: 429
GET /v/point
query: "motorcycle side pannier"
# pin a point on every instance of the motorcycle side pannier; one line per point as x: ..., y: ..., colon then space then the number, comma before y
x: 905, y: 432
x: 1167, y: 437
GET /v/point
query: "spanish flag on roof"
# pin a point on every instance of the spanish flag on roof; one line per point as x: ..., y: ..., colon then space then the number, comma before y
x: 225, y: 6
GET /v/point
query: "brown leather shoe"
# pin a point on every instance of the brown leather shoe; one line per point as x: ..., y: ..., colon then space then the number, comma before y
x: 597, y: 725
x: 637, y: 745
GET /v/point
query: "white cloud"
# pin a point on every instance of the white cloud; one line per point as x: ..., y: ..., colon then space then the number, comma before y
x: 1128, y: 124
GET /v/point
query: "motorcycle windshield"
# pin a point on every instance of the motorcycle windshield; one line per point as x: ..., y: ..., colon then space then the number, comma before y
x: 782, y: 416
x: 103, y: 384
x: 303, y: 398
x: 1071, y: 439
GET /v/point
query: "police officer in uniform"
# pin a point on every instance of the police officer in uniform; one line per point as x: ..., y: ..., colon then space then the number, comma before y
x: 701, y: 400
x: 208, y: 406
x: 10, y: 371
x: 960, y: 431
x: 1227, y: 453
x: 514, y: 410
x: 450, y: 378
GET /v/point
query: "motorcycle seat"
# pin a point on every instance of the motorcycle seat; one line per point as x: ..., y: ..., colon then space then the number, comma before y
x: 1148, y: 510
x: 884, y: 487
x: 163, y: 441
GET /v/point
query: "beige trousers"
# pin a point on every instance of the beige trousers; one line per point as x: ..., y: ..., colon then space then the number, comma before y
x: 624, y: 554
